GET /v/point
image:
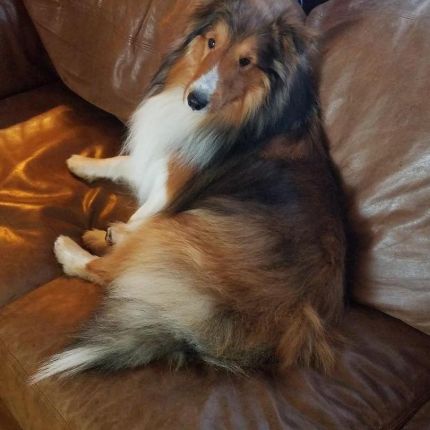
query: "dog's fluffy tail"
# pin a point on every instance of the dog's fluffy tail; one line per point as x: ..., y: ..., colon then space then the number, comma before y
x: 69, y: 362
x: 114, y: 340
x: 306, y: 341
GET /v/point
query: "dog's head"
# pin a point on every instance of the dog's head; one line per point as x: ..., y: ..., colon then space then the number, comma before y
x: 244, y: 69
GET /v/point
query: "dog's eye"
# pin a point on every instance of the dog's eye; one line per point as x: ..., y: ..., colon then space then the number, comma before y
x: 211, y: 43
x: 243, y: 62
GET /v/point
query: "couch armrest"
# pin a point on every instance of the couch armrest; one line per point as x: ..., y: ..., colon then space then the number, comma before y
x: 24, y: 63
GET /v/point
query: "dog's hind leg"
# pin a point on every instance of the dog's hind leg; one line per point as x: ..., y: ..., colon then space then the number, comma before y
x: 75, y: 260
x: 90, y: 169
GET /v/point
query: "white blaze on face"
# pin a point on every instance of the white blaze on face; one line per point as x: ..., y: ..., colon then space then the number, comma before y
x: 207, y: 83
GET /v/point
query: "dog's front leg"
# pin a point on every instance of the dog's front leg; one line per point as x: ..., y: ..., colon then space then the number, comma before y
x: 90, y: 169
x: 157, y: 198
x: 116, y: 232
x: 156, y: 202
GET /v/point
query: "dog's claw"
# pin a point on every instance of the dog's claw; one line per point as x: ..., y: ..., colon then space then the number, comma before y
x: 108, y: 237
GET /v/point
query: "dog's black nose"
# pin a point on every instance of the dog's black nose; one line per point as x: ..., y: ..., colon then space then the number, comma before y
x: 197, y: 101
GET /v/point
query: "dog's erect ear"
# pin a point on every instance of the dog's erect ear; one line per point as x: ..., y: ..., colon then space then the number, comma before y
x: 295, y: 36
x: 297, y: 51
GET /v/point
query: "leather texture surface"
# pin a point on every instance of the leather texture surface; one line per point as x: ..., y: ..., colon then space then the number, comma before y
x: 7, y: 421
x: 374, y: 94
x: 420, y: 420
x: 112, y: 58
x: 24, y: 63
x: 382, y: 376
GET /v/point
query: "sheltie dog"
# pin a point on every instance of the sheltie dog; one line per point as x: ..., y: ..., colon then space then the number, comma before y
x: 235, y: 256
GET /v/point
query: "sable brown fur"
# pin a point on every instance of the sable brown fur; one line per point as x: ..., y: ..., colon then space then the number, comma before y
x: 245, y: 264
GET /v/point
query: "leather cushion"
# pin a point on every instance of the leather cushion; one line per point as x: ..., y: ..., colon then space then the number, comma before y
x: 382, y: 377
x: 375, y: 90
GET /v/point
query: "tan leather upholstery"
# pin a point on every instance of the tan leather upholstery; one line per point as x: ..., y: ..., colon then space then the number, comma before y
x: 24, y: 63
x: 374, y: 88
x: 376, y: 106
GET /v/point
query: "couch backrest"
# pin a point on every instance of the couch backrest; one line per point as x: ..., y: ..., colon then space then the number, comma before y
x: 375, y: 95
x: 23, y: 61
x: 107, y: 51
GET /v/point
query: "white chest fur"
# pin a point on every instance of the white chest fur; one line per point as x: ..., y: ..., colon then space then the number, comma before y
x: 162, y: 125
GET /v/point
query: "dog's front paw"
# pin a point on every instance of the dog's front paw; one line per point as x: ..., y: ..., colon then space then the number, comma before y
x: 80, y: 166
x: 95, y: 240
x: 70, y: 255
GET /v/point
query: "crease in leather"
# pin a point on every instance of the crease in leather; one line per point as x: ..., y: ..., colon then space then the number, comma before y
x: 420, y: 419
x: 406, y: 416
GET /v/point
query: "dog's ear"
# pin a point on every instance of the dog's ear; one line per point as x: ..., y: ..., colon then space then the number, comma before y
x: 197, y: 15
x: 295, y: 37
x: 298, y: 48
x: 201, y: 16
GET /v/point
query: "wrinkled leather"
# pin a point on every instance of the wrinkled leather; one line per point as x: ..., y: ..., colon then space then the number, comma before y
x: 375, y: 91
x: 24, y: 63
x: 112, y: 58
x: 420, y: 420
x: 379, y: 380
x: 39, y: 198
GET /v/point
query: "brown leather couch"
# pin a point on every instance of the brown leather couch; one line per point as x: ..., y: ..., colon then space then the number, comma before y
x: 375, y: 93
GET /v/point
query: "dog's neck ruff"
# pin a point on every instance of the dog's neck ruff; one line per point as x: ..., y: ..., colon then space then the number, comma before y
x: 164, y: 125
